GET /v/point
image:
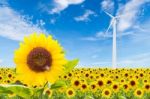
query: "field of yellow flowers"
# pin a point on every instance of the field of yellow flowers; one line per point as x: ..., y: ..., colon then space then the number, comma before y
x: 86, y: 83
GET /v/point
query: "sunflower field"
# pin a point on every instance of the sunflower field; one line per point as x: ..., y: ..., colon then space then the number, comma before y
x: 84, y: 83
x: 43, y: 72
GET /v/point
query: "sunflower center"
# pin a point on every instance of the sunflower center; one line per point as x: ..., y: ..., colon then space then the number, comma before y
x: 139, y: 92
x: 106, y: 92
x: 48, y: 92
x: 109, y: 82
x: 100, y: 83
x: 76, y: 83
x: 93, y: 86
x: 115, y: 87
x: 87, y: 75
x: 84, y: 86
x: 132, y: 83
x: 70, y: 92
x: 147, y: 86
x: 125, y: 86
x: 39, y: 59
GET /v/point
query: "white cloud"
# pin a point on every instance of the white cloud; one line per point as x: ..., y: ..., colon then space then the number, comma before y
x: 15, y: 26
x: 107, y: 5
x: 85, y: 16
x: 129, y: 14
x: 61, y: 5
x: 102, y: 63
x: 95, y: 56
x: 142, y: 33
x: 102, y: 36
x: 142, y: 59
x: 1, y: 60
x: 52, y: 21
x: 89, y: 38
x: 139, y: 60
x: 40, y: 22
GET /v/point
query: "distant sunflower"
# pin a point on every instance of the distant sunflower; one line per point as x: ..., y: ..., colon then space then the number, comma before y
x: 139, y: 93
x: 100, y: 83
x: 84, y: 87
x: 109, y: 81
x: 1, y: 78
x: 133, y: 83
x: 39, y: 59
x: 48, y: 92
x: 93, y: 86
x: 125, y: 87
x: 146, y: 87
x: 76, y: 83
x: 70, y: 92
x: 106, y: 93
x: 115, y: 87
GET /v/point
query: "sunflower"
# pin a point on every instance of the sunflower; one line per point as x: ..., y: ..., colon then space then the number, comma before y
x: 39, y: 59
x: 87, y: 74
x: 92, y: 77
x: 102, y: 74
x: 70, y: 75
x: 84, y: 87
x: 48, y: 92
x: 106, y: 93
x: 145, y: 80
x: 109, y: 81
x: 133, y: 83
x: 139, y: 93
x: 115, y: 87
x: 65, y: 77
x: 1, y: 78
x: 125, y: 87
x: 146, y: 87
x: 75, y: 82
x: 70, y: 92
x: 93, y: 86
x: 101, y: 83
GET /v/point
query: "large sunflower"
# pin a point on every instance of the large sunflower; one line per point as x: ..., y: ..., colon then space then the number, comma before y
x: 39, y: 59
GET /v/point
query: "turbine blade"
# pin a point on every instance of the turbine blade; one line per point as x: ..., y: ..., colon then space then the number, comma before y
x: 109, y: 26
x: 109, y: 14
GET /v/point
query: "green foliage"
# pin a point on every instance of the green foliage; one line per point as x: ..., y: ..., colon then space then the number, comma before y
x: 70, y: 65
x: 122, y: 97
x: 19, y: 90
x: 58, y: 84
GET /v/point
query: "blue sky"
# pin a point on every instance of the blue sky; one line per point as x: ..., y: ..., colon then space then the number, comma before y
x: 80, y: 26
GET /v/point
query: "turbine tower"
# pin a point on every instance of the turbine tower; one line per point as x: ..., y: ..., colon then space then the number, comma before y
x: 113, y: 23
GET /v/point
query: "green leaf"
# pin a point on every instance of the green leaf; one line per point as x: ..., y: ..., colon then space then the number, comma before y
x: 88, y: 97
x: 71, y: 64
x: 58, y: 84
x: 121, y: 97
x: 19, y: 90
x: 4, y: 90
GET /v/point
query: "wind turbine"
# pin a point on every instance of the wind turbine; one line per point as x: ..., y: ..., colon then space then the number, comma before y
x: 113, y: 23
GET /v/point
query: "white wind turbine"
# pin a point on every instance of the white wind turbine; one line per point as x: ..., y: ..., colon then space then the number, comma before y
x: 113, y: 23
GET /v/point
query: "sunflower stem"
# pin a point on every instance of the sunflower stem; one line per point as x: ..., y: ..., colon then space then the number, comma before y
x: 43, y: 90
x: 45, y: 84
